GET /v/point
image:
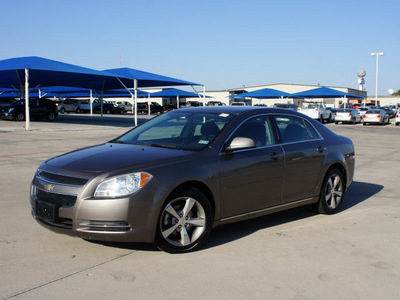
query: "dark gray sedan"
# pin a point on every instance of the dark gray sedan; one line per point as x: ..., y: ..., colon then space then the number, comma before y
x: 175, y: 177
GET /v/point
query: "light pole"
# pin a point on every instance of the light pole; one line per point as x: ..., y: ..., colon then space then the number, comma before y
x: 377, y: 54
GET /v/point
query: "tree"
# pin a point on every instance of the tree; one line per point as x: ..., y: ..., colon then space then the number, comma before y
x: 396, y: 93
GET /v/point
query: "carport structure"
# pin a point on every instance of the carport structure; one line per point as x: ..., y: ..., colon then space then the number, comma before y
x: 266, y: 93
x: 18, y: 73
x: 175, y: 93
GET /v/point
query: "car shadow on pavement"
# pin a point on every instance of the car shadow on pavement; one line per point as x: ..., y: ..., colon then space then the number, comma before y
x: 106, y: 120
x: 357, y: 193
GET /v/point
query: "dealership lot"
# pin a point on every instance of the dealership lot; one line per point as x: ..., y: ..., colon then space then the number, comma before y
x: 296, y: 254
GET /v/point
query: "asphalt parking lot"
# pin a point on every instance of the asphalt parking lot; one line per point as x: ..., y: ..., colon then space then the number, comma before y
x: 296, y: 254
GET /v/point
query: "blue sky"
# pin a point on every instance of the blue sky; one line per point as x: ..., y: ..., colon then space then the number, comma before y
x: 220, y: 43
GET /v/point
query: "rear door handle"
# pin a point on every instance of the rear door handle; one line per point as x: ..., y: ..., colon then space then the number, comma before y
x: 321, y: 149
x: 276, y: 156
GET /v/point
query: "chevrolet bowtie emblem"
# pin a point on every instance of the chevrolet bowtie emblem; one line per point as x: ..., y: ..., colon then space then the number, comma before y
x: 49, y: 187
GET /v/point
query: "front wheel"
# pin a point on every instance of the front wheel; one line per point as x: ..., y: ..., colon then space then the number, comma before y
x: 332, y: 193
x: 185, y: 221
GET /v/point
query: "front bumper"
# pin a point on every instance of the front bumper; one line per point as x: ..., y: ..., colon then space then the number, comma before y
x: 71, y: 210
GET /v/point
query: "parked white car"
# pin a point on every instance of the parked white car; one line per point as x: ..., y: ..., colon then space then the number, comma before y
x: 239, y: 104
x: 376, y: 116
x: 347, y: 115
x: 316, y: 110
x: 397, y: 120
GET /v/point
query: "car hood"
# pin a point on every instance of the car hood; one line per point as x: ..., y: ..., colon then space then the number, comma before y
x: 110, y: 157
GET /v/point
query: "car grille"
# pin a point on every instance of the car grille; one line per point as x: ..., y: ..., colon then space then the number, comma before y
x: 57, y: 200
x: 62, y: 179
x: 53, y: 198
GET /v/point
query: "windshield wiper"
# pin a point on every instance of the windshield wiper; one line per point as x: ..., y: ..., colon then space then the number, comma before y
x: 161, y: 146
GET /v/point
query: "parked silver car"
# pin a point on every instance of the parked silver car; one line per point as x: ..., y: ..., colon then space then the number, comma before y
x: 70, y: 105
x: 347, y: 115
x: 175, y: 177
x: 376, y: 116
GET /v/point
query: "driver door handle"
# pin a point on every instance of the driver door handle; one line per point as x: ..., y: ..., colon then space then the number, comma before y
x: 321, y: 149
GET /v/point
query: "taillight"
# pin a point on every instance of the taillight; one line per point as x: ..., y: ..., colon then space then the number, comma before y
x: 364, y: 116
x: 378, y: 116
x: 316, y: 109
x: 335, y: 114
x: 397, y: 116
x: 350, y: 114
x: 298, y: 109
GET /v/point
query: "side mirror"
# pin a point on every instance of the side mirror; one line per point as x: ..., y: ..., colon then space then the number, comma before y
x: 239, y: 143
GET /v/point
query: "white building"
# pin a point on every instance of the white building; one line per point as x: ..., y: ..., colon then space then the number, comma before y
x: 224, y: 95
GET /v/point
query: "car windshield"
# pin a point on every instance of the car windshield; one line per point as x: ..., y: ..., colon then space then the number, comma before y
x: 282, y: 105
x: 178, y: 130
x: 311, y: 106
x: 345, y: 110
x: 374, y: 111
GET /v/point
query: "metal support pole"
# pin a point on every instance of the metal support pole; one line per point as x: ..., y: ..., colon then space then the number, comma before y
x: 91, y: 102
x: 27, y: 119
x: 135, y: 84
x: 149, y: 104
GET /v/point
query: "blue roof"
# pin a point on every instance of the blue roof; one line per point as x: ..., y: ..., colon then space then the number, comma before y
x: 46, y: 72
x: 173, y: 93
x: 262, y: 94
x: 323, y: 92
x: 146, y: 79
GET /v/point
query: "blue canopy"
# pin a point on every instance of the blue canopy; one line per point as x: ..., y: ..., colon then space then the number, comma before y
x: 262, y: 94
x: 46, y: 72
x: 323, y: 92
x: 106, y: 94
x: 173, y: 93
x: 146, y: 79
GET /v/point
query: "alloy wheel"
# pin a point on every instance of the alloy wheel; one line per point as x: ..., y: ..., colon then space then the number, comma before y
x: 183, y: 221
x: 333, y: 191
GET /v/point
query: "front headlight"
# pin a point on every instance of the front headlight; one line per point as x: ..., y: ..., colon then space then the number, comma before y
x: 122, y: 185
x: 10, y: 110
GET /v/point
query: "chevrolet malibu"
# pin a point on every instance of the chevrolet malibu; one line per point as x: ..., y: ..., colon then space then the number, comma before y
x: 172, y: 179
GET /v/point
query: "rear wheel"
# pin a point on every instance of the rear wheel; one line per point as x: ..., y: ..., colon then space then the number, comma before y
x: 62, y: 110
x: 51, y: 116
x: 331, y: 193
x: 20, y: 116
x: 184, y: 222
x: 78, y: 110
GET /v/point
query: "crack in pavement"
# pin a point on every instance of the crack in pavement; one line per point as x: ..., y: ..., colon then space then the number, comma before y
x: 67, y: 276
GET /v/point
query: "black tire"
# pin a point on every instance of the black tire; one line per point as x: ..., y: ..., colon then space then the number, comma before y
x: 20, y: 117
x: 364, y: 124
x: 108, y: 111
x: 321, y: 119
x: 51, y: 116
x: 62, y: 110
x: 179, y: 231
x: 78, y: 110
x: 336, y: 122
x: 332, y: 192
